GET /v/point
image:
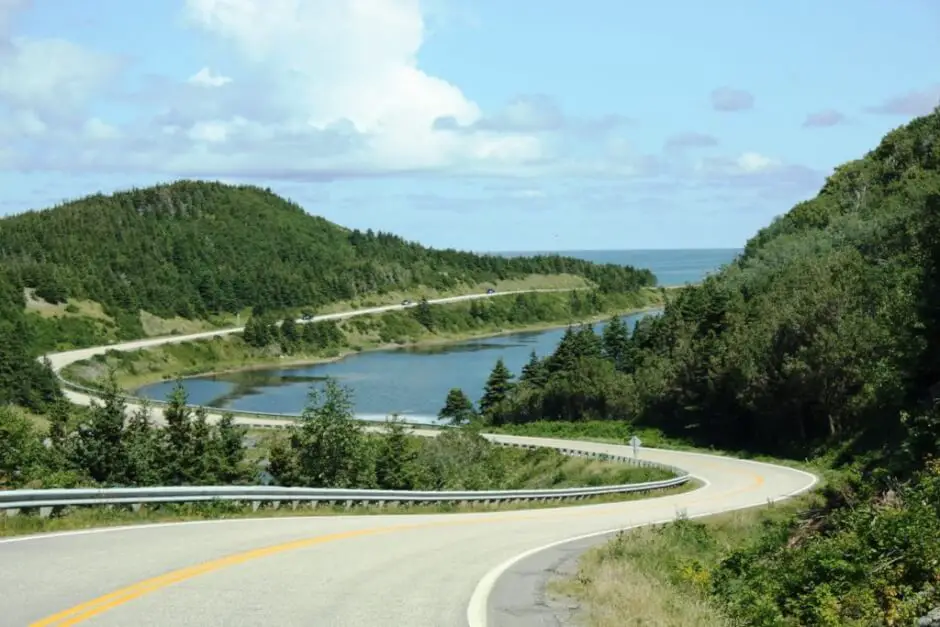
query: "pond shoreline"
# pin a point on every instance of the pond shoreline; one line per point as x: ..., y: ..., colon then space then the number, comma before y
x: 348, y: 352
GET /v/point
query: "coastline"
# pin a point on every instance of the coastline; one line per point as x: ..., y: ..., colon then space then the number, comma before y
x: 301, y: 361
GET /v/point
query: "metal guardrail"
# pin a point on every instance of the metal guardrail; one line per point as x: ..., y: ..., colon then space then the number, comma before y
x: 48, y: 500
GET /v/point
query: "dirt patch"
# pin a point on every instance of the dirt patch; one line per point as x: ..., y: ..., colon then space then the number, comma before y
x: 155, y: 326
x: 73, y: 307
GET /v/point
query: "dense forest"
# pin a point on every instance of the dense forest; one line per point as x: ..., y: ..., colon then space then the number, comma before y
x: 821, y: 339
x: 821, y: 332
x: 199, y: 249
x: 196, y: 248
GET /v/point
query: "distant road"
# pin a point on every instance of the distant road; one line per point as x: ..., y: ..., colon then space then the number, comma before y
x: 66, y: 358
x: 340, y: 571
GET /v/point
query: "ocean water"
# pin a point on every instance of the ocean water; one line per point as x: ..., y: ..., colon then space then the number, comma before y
x: 671, y: 267
x: 414, y: 382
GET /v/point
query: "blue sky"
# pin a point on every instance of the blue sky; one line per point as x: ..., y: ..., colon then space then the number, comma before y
x: 488, y: 125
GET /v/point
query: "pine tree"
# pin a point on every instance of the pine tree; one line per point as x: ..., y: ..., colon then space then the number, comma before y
x: 497, y: 388
x: 178, y: 447
x: 535, y: 372
x: 395, y: 458
x: 101, y: 449
x: 231, y: 450
x: 458, y: 409
x: 424, y: 315
x: 616, y: 344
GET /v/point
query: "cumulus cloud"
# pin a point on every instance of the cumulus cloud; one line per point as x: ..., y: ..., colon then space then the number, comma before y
x: 206, y: 78
x: 690, y: 140
x: 321, y: 90
x: 825, y: 118
x: 730, y: 99
x: 913, y: 103
x: 355, y: 62
x: 51, y: 75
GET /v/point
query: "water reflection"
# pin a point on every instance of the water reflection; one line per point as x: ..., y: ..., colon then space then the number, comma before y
x: 411, y: 381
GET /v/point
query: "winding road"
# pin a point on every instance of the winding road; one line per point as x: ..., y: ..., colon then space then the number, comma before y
x: 444, y: 570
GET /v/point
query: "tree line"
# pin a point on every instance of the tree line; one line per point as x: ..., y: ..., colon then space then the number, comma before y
x: 821, y: 340
x: 194, y: 249
x: 106, y: 445
x: 265, y: 330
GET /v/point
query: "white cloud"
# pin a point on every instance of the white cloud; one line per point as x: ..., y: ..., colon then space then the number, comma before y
x: 755, y: 162
x: 205, y: 78
x: 747, y: 163
x: 98, y: 130
x: 333, y: 62
x: 51, y: 76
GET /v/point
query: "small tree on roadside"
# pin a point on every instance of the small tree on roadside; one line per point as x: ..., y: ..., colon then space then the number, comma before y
x: 458, y: 409
x: 497, y: 388
x: 328, y: 448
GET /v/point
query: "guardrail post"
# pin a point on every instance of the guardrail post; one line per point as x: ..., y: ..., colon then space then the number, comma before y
x: 255, y: 505
x: 45, y: 512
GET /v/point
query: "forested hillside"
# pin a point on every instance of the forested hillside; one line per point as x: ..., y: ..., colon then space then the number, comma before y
x: 196, y: 250
x: 822, y: 338
x: 822, y: 331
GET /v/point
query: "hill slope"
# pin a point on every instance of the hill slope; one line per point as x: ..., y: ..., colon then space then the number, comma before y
x: 196, y: 248
x: 819, y: 333
x: 822, y: 338
x: 94, y: 270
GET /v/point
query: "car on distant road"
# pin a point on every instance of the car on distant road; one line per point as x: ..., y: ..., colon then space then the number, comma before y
x: 405, y: 303
x: 491, y: 291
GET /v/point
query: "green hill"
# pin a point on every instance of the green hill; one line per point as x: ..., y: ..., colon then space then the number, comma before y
x: 196, y: 253
x: 821, y: 340
x: 818, y: 334
x: 194, y: 249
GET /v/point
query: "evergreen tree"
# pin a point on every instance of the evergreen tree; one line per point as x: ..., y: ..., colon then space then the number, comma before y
x: 424, y: 315
x: 616, y: 344
x: 458, y: 409
x: 290, y: 335
x: 327, y: 449
x: 395, y: 458
x: 231, y: 450
x: 100, y: 446
x: 178, y: 437
x: 497, y: 387
x: 535, y: 372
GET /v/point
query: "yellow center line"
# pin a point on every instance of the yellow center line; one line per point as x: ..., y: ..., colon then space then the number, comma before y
x: 104, y: 603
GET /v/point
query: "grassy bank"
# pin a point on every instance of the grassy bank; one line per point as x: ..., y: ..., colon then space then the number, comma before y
x: 88, y: 323
x: 661, y: 575
x: 453, y: 322
x: 88, y: 518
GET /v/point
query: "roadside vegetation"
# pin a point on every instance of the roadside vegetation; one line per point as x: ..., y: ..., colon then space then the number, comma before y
x: 270, y: 339
x: 328, y: 447
x: 820, y: 341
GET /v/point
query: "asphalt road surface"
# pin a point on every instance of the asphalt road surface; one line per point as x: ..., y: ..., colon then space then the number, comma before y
x: 342, y: 571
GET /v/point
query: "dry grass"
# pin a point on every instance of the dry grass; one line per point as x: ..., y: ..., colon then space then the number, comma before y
x: 531, y: 282
x: 659, y: 576
x: 614, y: 591
x: 155, y: 326
x: 77, y: 308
